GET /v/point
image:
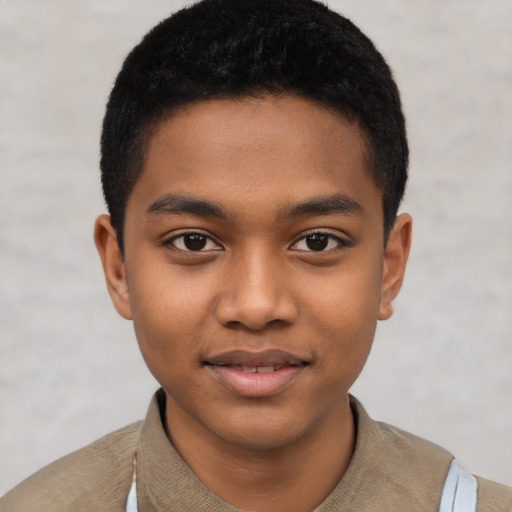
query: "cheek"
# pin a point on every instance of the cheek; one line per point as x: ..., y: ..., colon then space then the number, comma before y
x: 344, y: 311
x: 347, y: 298
x: 170, y: 311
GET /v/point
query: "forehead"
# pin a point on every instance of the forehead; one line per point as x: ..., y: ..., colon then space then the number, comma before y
x: 272, y: 149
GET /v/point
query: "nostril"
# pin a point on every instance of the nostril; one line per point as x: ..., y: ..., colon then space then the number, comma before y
x: 278, y: 322
x: 272, y: 324
x: 233, y: 324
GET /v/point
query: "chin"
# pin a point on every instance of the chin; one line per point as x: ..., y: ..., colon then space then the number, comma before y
x: 261, y: 435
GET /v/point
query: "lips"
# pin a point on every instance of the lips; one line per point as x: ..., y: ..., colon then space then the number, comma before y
x: 259, y: 369
x: 256, y: 374
x: 246, y: 358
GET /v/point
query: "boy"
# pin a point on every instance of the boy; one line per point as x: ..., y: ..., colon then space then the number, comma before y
x: 253, y: 160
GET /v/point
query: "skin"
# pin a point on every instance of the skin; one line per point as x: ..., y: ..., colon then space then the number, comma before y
x: 277, y: 167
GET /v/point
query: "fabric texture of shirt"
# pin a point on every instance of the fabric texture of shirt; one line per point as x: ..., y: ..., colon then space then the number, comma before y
x: 391, y: 470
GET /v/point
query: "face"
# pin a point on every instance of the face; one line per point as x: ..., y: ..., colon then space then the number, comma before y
x: 255, y: 268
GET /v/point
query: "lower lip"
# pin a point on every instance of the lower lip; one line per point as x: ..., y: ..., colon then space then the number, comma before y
x: 256, y: 384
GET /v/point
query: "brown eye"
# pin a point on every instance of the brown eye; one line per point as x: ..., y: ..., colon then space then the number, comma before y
x: 193, y: 242
x: 317, y: 242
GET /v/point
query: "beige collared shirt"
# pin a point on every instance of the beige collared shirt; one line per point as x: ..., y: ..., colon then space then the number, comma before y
x: 390, y: 471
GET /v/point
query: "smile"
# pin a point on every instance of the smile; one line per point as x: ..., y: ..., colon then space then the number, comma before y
x: 256, y: 374
x: 260, y: 369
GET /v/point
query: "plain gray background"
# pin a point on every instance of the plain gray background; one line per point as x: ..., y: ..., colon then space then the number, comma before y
x: 70, y: 370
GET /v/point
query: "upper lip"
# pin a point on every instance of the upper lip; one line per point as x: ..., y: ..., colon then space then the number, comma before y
x: 263, y: 358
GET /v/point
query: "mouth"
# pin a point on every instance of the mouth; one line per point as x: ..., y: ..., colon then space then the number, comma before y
x: 259, y: 369
x: 256, y: 374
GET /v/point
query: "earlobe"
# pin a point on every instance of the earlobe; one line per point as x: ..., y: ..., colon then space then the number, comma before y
x: 113, y: 265
x: 395, y: 260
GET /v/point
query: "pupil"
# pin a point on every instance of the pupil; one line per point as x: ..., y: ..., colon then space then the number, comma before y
x: 317, y: 242
x: 194, y: 242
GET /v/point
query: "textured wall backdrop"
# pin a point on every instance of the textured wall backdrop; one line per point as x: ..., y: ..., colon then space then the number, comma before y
x: 442, y: 367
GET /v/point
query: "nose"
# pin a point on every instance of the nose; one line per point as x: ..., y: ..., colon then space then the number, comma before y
x: 255, y: 294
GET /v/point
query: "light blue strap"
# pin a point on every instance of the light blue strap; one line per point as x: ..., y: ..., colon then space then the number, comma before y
x: 131, y: 502
x: 460, y: 490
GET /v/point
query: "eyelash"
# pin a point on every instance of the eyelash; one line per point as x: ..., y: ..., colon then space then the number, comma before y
x: 328, y: 238
x: 208, y: 240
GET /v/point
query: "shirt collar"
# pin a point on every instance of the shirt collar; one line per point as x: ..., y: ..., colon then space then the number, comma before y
x: 390, y: 469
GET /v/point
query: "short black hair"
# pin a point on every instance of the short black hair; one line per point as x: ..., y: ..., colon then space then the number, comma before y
x: 233, y: 48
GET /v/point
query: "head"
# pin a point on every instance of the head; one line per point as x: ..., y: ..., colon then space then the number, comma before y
x: 253, y: 159
x: 234, y: 48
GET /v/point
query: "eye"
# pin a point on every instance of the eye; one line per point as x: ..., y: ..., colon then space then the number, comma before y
x: 318, y: 242
x: 193, y: 242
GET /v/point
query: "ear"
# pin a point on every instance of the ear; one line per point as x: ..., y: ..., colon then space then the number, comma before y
x: 395, y: 260
x: 105, y: 239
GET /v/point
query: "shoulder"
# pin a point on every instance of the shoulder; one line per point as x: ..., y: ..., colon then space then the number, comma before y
x: 397, y: 451
x: 392, y: 469
x: 96, y: 477
x: 421, y: 458
x: 406, y: 472
x: 418, y: 468
x: 410, y: 445
x: 493, y: 497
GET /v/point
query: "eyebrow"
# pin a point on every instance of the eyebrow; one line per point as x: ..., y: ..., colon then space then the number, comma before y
x: 323, y: 205
x: 177, y: 204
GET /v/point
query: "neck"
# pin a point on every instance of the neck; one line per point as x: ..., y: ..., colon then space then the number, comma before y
x: 297, y: 476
